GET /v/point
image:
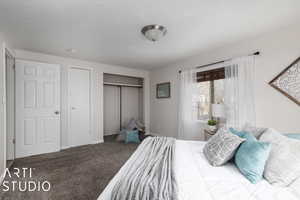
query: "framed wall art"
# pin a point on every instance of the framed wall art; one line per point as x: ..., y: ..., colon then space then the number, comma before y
x: 288, y: 81
x: 163, y: 90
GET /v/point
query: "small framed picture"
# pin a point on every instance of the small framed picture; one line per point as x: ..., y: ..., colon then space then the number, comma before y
x: 163, y: 90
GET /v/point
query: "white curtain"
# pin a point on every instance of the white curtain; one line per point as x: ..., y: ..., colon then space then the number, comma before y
x: 239, y: 92
x: 189, y: 127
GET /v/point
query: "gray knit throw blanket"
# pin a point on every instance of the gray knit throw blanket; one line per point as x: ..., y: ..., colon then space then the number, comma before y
x: 149, y: 173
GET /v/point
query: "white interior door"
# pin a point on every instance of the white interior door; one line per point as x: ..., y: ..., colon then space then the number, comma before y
x: 111, y: 106
x: 37, y: 108
x: 79, y: 106
x: 130, y: 104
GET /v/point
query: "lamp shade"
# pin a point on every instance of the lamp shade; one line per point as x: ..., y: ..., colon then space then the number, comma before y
x: 218, y: 110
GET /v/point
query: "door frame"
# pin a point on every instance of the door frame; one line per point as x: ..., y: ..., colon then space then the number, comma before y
x: 13, y: 108
x: 92, y: 91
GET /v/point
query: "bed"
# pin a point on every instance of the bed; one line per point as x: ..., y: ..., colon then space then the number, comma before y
x: 197, y: 179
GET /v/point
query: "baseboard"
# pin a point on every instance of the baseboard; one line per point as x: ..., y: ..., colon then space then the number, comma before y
x: 96, y: 142
x: 71, y: 146
x: 65, y: 147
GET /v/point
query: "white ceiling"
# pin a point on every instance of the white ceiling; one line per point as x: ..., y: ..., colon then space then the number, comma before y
x: 108, y: 31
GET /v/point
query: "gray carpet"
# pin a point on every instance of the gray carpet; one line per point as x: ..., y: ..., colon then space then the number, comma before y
x: 79, y: 173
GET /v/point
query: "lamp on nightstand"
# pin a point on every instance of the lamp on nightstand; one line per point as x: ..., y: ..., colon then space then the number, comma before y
x: 218, y: 111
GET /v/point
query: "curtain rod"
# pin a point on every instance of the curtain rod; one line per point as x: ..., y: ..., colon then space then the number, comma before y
x: 222, y: 61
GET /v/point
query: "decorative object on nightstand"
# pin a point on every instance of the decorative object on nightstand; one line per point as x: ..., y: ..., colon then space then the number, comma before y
x: 212, y: 125
x: 218, y: 112
x: 208, y: 134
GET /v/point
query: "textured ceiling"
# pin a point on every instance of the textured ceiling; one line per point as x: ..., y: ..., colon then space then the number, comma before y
x: 108, y: 31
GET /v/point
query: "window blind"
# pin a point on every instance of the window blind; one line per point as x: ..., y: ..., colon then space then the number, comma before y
x: 211, y: 75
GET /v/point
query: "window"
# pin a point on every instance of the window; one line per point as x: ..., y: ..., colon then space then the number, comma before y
x: 211, y: 90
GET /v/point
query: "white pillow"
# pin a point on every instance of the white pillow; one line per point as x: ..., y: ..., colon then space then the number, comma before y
x: 295, y: 188
x: 283, y: 165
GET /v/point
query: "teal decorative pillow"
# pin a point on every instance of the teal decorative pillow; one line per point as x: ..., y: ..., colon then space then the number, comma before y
x: 132, y: 137
x: 293, y: 135
x: 238, y: 133
x: 255, y: 131
x: 251, y: 156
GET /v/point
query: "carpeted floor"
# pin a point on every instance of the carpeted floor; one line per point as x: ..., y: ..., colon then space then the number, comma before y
x: 79, y: 173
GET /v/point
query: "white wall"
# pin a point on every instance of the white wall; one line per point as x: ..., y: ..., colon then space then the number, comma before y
x: 2, y: 109
x: 99, y: 69
x: 278, y: 50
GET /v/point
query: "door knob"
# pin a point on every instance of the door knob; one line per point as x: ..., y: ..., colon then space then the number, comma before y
x: 73, y: 108
x: 56, y: 112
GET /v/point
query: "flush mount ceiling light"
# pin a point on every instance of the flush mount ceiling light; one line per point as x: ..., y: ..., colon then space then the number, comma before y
x: 154, y: 32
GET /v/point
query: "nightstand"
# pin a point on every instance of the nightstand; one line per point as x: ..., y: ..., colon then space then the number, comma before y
x: 208, y: 134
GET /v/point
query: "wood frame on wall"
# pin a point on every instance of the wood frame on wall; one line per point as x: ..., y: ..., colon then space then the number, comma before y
x: 160, y: 84
x: 271, y: 83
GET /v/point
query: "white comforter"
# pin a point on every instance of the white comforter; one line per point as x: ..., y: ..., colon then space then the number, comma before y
x: 197, y: 180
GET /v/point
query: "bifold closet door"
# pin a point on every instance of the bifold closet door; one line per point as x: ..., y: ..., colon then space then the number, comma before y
x: 131, y: 104
x: 111, y: 109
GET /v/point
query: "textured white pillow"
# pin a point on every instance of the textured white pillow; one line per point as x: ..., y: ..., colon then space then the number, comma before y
x: 283, y: 165
x: 221, y: 147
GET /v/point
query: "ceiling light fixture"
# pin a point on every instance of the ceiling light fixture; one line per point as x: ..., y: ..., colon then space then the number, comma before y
x: 154, y: 32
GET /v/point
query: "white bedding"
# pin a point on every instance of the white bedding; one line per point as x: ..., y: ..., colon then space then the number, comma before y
x: 197, y: 180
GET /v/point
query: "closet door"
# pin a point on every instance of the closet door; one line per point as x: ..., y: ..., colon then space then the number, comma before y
x: 79, y: 106
x: 111, y: 110
x: 130, y: 104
